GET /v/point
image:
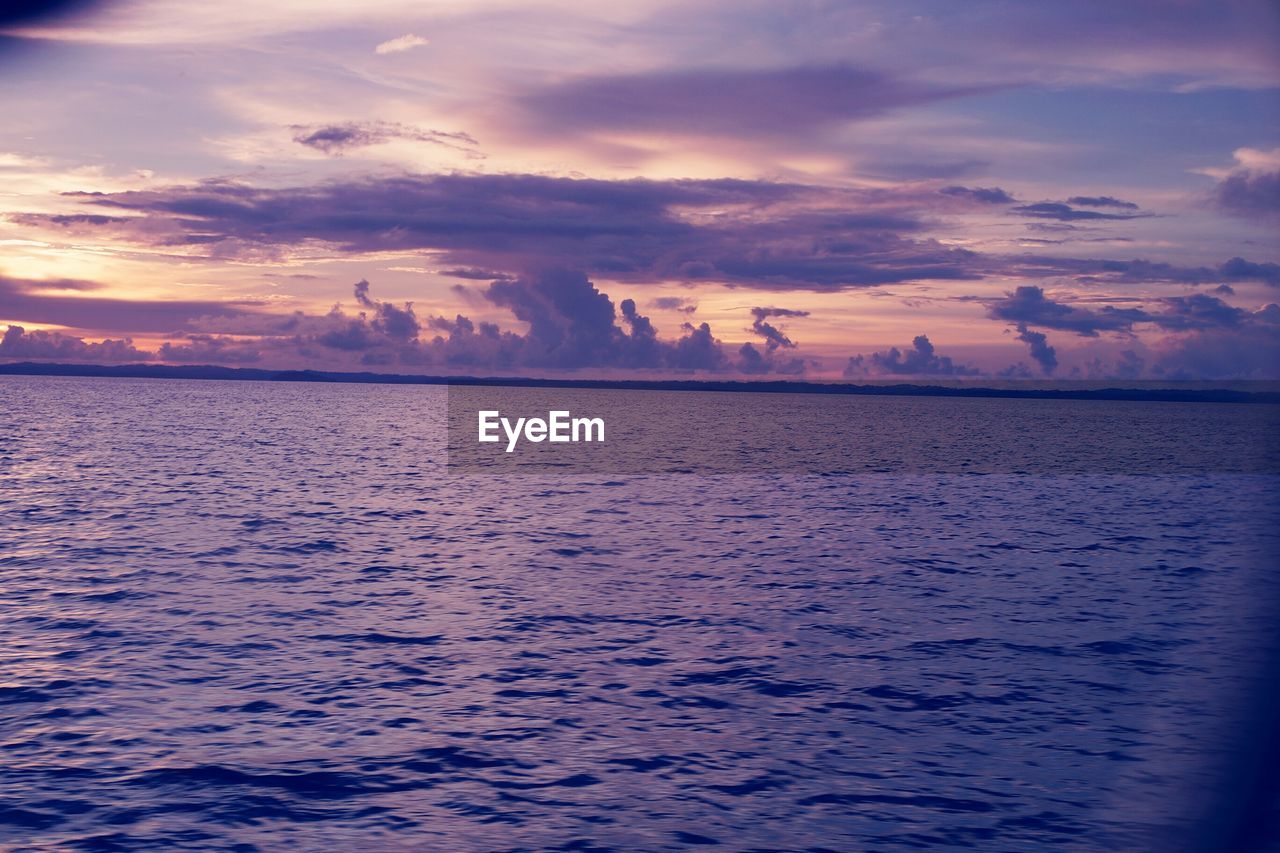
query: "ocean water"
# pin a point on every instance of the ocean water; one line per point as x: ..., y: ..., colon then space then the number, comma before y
x: 259, y: 616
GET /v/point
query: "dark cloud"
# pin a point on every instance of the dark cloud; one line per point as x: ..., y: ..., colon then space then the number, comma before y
x: 1209, y: 338
x: 1040, y: 350
x: 210, y: 349
x: 40, y: 344
x: 985, y: 195
x: 1101, y: 201
x: 474, y: 274
x: 1238, y: 269
x: 24, y: 12
x: 920, y: 360
x: 675, y: 303
x: 1028, y: 305
x: 1061, y: 212
x: 773, y: 337
x: 337, y: 139
x: 1137, y: 270
x: 719, y: 102
x: 1251, y: 351
x: 752, y: 233
x: 571, y: 325
x: 396, y: 323
x: 27, y: 300
x: 1249, y: 194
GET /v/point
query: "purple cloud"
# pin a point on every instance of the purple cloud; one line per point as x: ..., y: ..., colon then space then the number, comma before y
x: 920, y: 360
x: 55, y: 346
x: 1039, y: 349
x: 1101, y: 201
x: 675, y: 303
x: 1249, y: 194
x: 719, y: 102
x: 337, y: 139
x: 26, y: 300
x: 755, y: 234
x: 773, y: 337
x: 1060, y: 212
x: 984, y: 195
x: 1029, y: 306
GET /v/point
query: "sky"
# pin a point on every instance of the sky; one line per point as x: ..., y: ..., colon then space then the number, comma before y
x: 704, y: 188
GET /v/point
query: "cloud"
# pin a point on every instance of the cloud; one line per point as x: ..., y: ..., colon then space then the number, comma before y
x: 1039, y: 348
x: 29, y: 300
x: 1136, y: 271
x: 747, y: 233
x: 920, y: 360
x: 1208, y: 337
x: 210, y: 349
x: 473, y: 274
x: 337, y: 139
x: 1238, y: 269
x: 728, y: 102
x: 744, y: 233
x: 55, y: 346
x: 1249, y: 194
x: 773, y: 337
x: 1101, y: 201
x: 985, y: 195
x: 1251, y: 351
x: 571, y: 325
x: 1028, y: 305
x: 1060, y: 212
x: 674, y: 303
x: 398, y: 45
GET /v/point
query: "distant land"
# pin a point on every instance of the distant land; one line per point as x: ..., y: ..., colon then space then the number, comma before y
x: 1170, y: 391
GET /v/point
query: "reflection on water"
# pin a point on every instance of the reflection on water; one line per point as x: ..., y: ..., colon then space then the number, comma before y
x: 269, y: 615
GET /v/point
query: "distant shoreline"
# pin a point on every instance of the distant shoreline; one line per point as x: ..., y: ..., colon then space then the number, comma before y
x: 1166, y: 392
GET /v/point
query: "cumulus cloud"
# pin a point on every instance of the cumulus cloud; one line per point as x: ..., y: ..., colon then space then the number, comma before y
x: 1252, y: 189
x: 571, y: 325
x: 773, y: 337
x: 1250, y: 194
x: 920, y: 360
x: 45, y: 345
x: 1208, y: 338
x: 1028, y: 305
x: 210, y: 349
x: 1039, y: 348
x: 1251, y: 351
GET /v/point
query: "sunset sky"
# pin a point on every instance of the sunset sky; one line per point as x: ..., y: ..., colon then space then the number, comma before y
x: 823, y: 189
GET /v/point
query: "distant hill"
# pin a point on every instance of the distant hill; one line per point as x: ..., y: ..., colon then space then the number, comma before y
x: 1192, y: 392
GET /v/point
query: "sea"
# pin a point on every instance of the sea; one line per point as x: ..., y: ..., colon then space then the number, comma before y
x: 284, y: 616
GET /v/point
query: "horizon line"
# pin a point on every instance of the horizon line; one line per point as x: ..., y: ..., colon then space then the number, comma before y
x: 1174, y: 390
